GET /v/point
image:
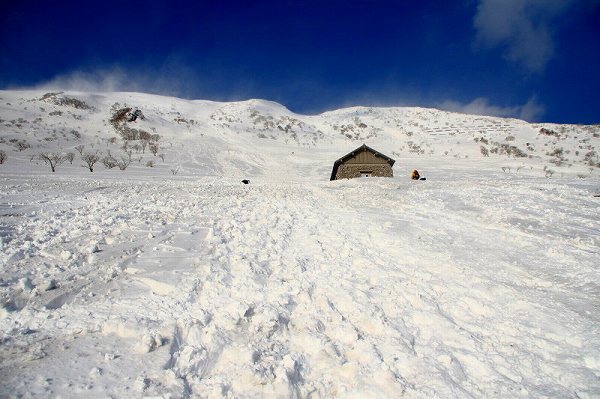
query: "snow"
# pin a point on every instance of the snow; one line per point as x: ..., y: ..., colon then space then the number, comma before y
x: 142, y: 283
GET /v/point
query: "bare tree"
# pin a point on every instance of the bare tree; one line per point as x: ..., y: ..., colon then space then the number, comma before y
x: 53, y: 159
x: 70, y: 157
x: 144, y: 144
x: 80, y: 148
x: 109, y: 161
x: 2, y: 156
x: 22, y: 145
x: 124, y: 162
x: 90, y: 160
x: 175, y: 170
x: 162, y: 156
x: 153, y: 148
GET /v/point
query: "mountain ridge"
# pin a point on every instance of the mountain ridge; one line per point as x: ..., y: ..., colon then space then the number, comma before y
x: 265, y: 134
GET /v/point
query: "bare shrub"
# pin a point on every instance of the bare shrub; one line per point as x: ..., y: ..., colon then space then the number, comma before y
x: 53, y: 159
x: 144, y: 135
x: 590, y: 157
x: 71, y: 102
x: 557, y: 152
x: 22, y: 145
x: 109, y: 161
x: 174, y: 171
x: 548, y: 132
x: 153, y: 148
x: 119, y: 117
x: 150, y: 164
x: 50, y: 95
x: 484, y: 151
x: 162, y: 156
x: 90, y: 159
x: 124, y: 162
x: 80, y: 149
x: 70, y: 157
x: 509, y: 150
x: 3, y: 156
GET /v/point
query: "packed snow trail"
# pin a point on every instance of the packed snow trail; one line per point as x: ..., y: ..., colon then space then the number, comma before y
x: 379, y: 288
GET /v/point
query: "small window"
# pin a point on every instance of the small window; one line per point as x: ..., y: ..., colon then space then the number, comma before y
x: 366, y: 174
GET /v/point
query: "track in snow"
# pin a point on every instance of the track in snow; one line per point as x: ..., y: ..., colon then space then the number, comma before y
x: 378, y: 288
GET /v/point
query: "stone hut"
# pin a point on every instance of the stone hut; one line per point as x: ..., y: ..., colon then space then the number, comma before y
x: 362, y: 162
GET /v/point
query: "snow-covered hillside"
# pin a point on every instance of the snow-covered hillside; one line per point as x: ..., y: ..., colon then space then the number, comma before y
x: 261, y: 139
x: 177, y: 280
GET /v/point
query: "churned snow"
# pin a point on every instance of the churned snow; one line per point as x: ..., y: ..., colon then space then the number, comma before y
x: 478, y: 282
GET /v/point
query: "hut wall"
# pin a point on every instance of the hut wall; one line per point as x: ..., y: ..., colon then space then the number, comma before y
x: 351, y: 170
x: 365, y: 157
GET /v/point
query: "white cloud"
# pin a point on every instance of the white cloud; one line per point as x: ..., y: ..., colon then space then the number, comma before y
x: 522, y: 27
x: 100, y: 81
x: 175, y: 81
x: 530, y: 111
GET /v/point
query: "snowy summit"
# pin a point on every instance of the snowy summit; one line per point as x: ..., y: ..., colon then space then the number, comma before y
x: 135, y: 263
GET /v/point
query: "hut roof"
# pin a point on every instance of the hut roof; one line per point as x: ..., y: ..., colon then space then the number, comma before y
x: 349, y: 155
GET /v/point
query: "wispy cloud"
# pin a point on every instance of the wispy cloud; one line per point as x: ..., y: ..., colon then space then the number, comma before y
x: 523, y: 28
x: 530, y: 111
x: 185, y: 85
x: 174, y: 82
x: 106, y: 80
x: 173, y: 79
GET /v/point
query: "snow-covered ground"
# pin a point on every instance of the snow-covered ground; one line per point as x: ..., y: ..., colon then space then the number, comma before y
x: 477, y: 282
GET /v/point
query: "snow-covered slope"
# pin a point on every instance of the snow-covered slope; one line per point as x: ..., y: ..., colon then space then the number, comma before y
x: 261, y: 139
x: 178, y: 281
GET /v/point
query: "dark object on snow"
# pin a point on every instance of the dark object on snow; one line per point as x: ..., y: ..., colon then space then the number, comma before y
x: 415, y: 175
x: 246, y: 181
x: 134, y: 115
x: 423, y: 178
x: 362, y: 162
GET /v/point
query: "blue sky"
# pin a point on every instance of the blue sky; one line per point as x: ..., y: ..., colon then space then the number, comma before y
x: 533, y: 59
